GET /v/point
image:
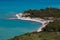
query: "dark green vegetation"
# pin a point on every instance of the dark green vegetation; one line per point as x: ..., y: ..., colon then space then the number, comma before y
x: 39, y: 36
x: 50, y: 32
x: 48, y: 12
x: 53, y: 26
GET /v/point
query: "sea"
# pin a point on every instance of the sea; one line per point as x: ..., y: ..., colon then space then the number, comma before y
x: 12, y: 28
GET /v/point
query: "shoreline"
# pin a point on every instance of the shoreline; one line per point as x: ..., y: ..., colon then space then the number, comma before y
x: 44, y: 23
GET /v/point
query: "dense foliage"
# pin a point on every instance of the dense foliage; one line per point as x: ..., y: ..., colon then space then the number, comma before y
x: 54, y: 26
x: 38, y: 36
x: 48, y: 12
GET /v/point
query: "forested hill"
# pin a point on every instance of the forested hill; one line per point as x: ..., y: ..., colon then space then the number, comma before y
x: 47, y: 12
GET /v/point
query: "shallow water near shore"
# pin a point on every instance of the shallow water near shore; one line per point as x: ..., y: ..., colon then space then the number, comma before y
x: 12, y: 28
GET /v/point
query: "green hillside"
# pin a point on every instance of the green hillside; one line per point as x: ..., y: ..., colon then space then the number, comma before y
x: 39, y: 36
x: 47, y: 12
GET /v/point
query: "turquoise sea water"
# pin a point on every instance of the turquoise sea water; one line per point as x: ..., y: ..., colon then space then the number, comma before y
x: 11, y: 28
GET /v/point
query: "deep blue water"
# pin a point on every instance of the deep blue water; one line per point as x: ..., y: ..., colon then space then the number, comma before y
x: 11, y: 28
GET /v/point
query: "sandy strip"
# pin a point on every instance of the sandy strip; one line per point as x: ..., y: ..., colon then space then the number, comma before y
x: 44, y: 23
